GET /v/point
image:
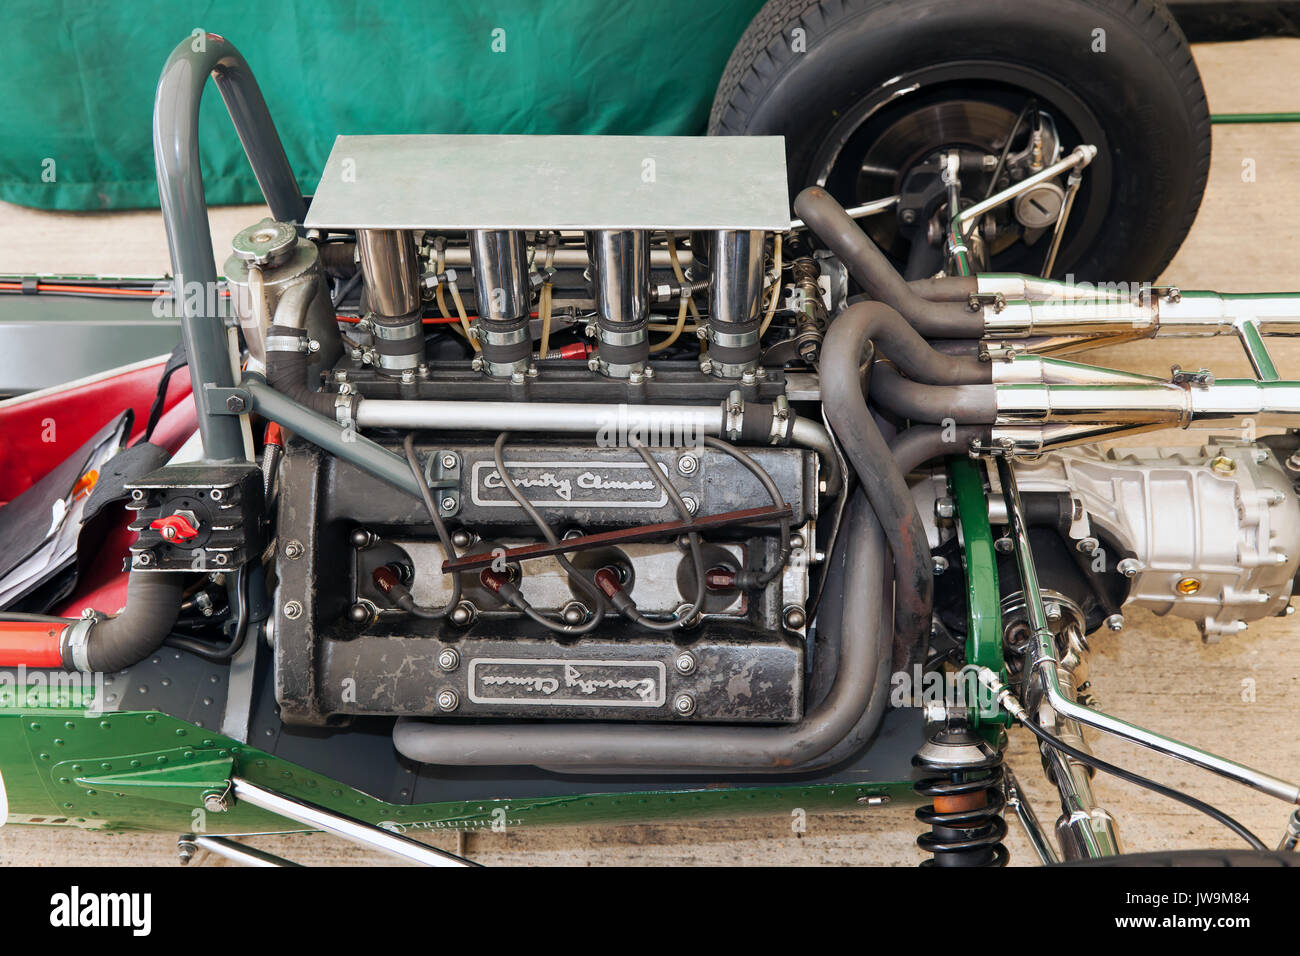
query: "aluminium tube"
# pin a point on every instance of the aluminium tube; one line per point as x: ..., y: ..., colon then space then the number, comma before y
x: 185, y: 210
x: 1046, y: 663
x: 601, y: 747
x: 868, y: 265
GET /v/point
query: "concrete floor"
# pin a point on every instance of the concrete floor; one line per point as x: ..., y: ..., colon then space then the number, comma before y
x: 1156, y: 672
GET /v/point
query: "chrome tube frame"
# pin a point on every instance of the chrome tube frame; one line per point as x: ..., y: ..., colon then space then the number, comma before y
x: 1017, y: 801
x: 355, y: 831
x: 1046, y: 666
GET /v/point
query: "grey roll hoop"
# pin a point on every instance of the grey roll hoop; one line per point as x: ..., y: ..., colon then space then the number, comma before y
x: 185, y: 208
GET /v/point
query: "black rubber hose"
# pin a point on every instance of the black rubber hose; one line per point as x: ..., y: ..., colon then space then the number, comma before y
x: 153, y: 602
x: 882, y: 480
x: 286, y: 368
x: 960, y: 404
x: 868, y: 265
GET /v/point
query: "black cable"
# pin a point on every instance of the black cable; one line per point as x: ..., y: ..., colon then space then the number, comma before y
x: 1140, y: 781
x: 679, y: 619
x: 444, y: 539
x: 574, y: 575
x: 203, y: 649
x: 762, y: 578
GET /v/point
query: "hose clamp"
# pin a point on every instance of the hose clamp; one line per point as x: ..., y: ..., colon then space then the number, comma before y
x: 781, y: 420
x: 74, y: 643
x: 343, y: 409
x: 396, y: 332
x: 634, y: 337
x: 734, y: 340
x: 733, y: 415
x: 287, y: 343
x: 487, y: 336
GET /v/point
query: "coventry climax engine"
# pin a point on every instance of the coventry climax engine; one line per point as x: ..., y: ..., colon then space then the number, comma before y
x: 581, y: 454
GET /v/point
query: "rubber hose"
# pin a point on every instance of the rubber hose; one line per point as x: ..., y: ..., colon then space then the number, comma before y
x: 153, y: 602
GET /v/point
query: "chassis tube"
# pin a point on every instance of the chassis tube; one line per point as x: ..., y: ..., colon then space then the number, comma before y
x: 185, y: 209
x: 1046, y: 663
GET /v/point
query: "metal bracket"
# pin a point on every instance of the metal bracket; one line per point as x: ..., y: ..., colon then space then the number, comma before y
x: 442, y: 473
x: 228, y: 401
x: 978, y: 301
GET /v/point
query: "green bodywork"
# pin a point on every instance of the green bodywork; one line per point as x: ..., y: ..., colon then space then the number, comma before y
x: 144, y: 770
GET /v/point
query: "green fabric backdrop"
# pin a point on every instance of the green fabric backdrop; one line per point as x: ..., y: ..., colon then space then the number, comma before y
x: 77, y: 80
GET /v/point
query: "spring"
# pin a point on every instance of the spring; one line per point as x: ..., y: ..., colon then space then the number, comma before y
x: 964, y: 781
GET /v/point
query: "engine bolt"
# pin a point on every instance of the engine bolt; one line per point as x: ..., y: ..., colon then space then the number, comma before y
x: 684, y: 705
x: 1053, y: 611
x: 463, y: 614
x: 449, y: 461
x: 685, y: 663
x: 143, y: 558
x: 1004, y: 545
x: 448, y: 700
x: 938, y: 564
x: 1128, y: 567
x: 293, y: 550
x: 945, y: 508
x: 448, y: 660
x: 1115, y: 622
x: 574, y: 613
x: 408, y: 376
x: 1188, y: 586
x: 1088, y: 545
x: 293, y: 610
x: 360, y: 612
x: 688, y: 464
x: 1223, y: 465
x: 462, y: 538
x: 448, y: 504
x: 691, y: 504
x: 215, y: 803
x: 795, y: 618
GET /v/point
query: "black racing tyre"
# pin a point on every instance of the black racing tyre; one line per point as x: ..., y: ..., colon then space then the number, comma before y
x: 1197, y: 858
x: 839, y: 79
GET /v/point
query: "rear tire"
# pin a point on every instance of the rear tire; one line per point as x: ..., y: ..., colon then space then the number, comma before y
x: 1133, y: 85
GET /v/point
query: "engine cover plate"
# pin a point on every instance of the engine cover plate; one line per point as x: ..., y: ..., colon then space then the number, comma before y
x: 647, y: 678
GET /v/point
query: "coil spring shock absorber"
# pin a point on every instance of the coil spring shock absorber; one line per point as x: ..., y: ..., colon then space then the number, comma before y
x: 964, y: 781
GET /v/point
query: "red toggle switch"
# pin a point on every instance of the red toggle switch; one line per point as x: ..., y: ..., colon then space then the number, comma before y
x: 177, y: 527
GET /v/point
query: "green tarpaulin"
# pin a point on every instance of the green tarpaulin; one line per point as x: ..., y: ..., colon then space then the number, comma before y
x: 77, y: 80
